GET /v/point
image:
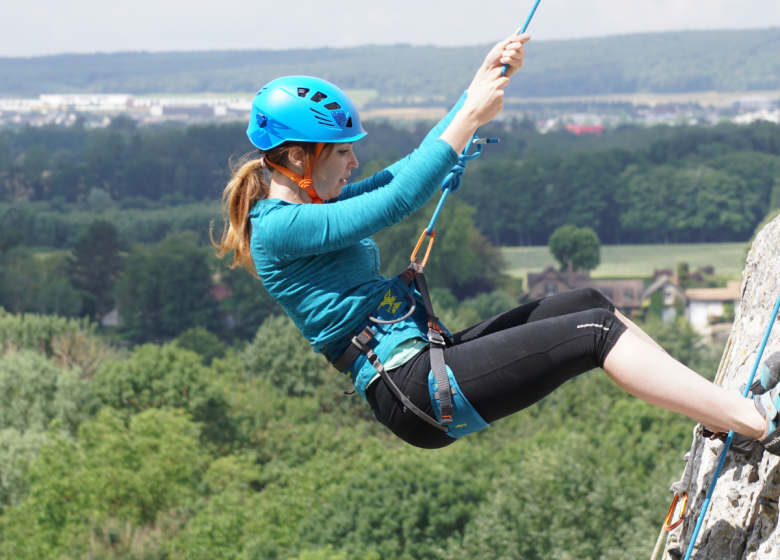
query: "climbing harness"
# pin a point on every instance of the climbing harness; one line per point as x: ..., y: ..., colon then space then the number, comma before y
x: 729, y: 437
x: 454, y: 414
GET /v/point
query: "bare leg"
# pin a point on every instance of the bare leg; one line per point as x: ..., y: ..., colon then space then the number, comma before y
x: 637, y: 331
x: 657, y: 378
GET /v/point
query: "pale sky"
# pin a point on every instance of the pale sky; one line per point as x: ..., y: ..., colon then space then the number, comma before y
x: 37, y: 27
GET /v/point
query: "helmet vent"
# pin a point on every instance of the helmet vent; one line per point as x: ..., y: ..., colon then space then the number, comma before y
x: 302, y: 91
x: 332, y: 106
x: 349, y: 122
x: 317, y: 97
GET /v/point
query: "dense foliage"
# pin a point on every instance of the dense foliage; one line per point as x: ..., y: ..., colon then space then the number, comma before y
x: 632, y: 185
x: 699, y: 185
x: 259, y: 455
x: 649, y: 62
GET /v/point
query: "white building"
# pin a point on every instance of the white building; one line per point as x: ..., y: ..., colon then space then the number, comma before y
x: 708, y: 307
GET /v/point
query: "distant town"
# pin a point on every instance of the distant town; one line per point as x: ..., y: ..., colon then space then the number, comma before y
x: 579, y: 115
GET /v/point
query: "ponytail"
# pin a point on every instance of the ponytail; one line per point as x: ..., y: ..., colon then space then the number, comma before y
x: 247, y: 185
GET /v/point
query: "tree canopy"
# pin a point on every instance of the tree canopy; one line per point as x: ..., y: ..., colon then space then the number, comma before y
x: 579, y: 248
x: 305, y: 472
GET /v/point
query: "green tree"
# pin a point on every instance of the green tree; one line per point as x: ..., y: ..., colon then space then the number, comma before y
x: 35, y: 391
x: 11, y: 238
x: 18, y: 280
x: 202, y: 342
x: 165, y: 290
x: 35, y: 166
x: 96, y: 263
x: 579, y: 246
x: 462, y: 260
x: 166, y: 377
x: 250, y: 303
x: 113, y: 472
x: 18, y: 450
x: 280, y: 355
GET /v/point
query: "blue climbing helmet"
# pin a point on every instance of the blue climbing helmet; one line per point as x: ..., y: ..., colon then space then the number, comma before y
x: 304, y: 109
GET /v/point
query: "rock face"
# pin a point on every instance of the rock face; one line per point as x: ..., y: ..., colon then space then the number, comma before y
x: 742, y: 522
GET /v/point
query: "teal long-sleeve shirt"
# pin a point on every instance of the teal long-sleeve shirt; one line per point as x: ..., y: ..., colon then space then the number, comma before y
x: 318, y: 260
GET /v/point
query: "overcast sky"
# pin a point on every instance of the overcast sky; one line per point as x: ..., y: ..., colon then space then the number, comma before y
x: 36, y: 27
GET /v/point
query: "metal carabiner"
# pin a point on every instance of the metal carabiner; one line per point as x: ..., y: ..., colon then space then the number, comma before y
x: 668, y: 525
x: 419, y: 243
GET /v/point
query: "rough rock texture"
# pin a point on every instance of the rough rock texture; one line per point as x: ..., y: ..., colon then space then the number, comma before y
x: 743, y: 517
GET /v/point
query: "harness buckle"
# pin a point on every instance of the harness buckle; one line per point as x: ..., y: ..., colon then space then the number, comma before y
x: 668, y: 523
x: 435, y: 337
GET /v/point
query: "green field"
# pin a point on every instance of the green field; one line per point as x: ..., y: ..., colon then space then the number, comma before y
x: 637, y: 261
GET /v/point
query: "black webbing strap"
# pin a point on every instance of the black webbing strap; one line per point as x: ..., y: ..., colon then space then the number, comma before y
x: 361, y: 342
x: 352, y: 351
x: 438, y: 344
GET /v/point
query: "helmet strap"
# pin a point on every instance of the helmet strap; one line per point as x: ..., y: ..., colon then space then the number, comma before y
x: 306, y: 183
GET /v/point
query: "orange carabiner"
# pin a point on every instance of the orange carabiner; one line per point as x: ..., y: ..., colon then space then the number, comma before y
x: 419, y: 243
x: 668, y: 525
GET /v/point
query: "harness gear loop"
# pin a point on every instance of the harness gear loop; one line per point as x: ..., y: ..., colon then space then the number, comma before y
x: 668, y: 524
x: 411, y: 311
x: 413, y: 258
x: 304, y: 182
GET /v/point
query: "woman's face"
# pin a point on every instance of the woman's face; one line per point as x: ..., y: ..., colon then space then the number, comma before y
x: 333, y: 170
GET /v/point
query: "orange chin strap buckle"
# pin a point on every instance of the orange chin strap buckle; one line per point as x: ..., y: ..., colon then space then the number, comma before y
x: 304, y: 182
x: 668, y: 524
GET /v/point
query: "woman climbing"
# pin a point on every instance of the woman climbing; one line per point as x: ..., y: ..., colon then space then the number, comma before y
x: 306, y: 234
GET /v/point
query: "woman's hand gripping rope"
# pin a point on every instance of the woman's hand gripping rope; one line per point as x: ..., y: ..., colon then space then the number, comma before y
x: 510, y: 51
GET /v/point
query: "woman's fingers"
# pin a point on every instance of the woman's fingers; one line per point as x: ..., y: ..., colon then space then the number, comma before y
x: 510, y: 51
x: 513, y: 54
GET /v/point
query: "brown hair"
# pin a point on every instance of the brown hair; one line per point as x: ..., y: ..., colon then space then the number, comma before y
x: 248, y: 184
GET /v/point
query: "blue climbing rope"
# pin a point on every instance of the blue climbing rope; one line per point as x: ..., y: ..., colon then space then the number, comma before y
x: 525, y: 26
x: 726, y: 446
x: 452, y: 181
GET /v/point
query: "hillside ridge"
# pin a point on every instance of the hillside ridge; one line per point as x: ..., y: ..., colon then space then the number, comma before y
x: 668, y: 62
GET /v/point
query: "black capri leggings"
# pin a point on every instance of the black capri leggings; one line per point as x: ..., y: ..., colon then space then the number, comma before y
x: 506, y: 363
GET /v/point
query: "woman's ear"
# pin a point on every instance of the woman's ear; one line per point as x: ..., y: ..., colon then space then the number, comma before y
x: 296, y: 156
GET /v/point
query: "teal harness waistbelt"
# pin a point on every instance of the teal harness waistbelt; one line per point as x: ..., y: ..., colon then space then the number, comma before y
x: 454, y: 414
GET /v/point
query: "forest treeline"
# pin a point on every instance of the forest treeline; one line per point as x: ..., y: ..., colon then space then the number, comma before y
x: 679, y: 61
x: 195, y: 450
x: 161, y: 273
x: 632, y: 185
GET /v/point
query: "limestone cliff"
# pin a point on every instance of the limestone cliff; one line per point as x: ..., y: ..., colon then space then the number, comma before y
x: 743, y: 519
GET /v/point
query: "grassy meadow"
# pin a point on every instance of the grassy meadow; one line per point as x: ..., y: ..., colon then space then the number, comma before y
x: 636, y: 261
